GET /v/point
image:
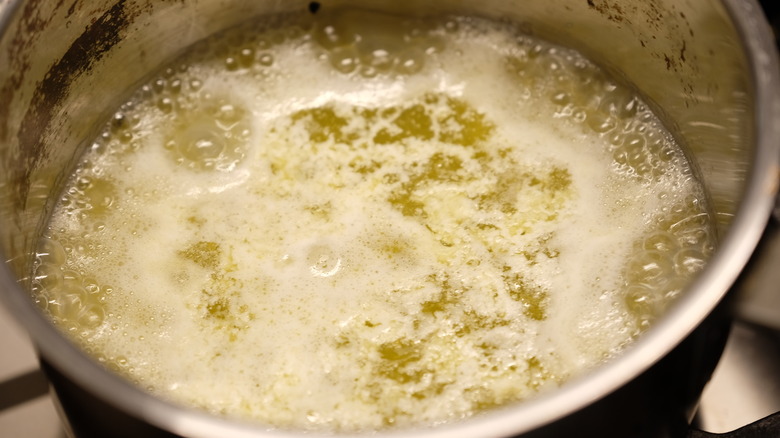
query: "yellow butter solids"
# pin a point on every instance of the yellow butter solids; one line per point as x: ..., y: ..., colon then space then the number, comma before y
x: 361, y: 222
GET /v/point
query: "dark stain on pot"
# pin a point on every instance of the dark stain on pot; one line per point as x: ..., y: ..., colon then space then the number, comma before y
x: 665, y: 25
x: 664, y: 35
x: 30, y: 24
x: 98, y: 38
x: 613, y: 12
x: 72, y: 8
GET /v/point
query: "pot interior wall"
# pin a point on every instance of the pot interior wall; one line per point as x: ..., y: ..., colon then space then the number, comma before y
x: 70, y: 64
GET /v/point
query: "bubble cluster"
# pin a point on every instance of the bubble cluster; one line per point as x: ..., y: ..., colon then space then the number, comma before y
x: 210, y: 135
x: 90, y: 196
x: 662, y: 264
x: 585, y: 94
x: 206, y: 131
x: 371, y: 44
x: 74, y: 301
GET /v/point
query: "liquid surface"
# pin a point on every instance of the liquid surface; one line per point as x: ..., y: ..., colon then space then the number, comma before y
x: 368, y: 222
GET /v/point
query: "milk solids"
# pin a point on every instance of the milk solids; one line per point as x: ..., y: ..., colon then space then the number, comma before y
x: 365, y: 222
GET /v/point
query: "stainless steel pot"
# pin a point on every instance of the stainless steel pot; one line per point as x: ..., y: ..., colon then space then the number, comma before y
x: 708, y: 67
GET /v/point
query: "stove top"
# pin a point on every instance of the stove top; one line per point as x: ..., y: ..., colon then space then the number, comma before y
x: 26, y: 409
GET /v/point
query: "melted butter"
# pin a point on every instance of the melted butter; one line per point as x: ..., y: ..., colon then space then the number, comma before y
x: 371, y: 222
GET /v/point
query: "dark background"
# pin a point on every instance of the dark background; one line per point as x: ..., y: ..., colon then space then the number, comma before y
x: 772, y: 10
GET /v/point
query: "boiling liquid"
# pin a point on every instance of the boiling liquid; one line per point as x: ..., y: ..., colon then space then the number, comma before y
x: 370, y: 222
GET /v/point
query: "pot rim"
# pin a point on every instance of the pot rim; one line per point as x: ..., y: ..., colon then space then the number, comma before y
x: 693, y: 307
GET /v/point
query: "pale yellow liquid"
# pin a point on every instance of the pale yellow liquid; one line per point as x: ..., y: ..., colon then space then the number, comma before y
x: 370, y: 223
